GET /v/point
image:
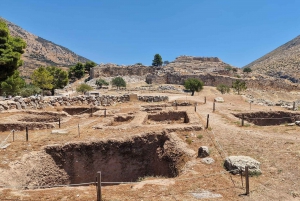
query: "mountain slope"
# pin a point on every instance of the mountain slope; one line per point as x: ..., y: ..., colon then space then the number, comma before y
x: 41, y: 52
x: 283, y: 62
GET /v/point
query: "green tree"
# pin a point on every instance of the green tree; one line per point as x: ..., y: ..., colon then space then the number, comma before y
x: 140, y: 64
x: 239, y: 86
x: 30, y: 90
x: 118, y: 82
x: 88, y: 65
x: 157, y: 61
x: 11, y: 49
x: 60, y: 78
x: 247, y: 70
x: 166, y: 62
x: 42, y: 78
x: 83, y: 88
x: 223, y: 88
x: 193, y: 85
x: 101, y: 82
x: 13, y: 84
x: 76, y: 71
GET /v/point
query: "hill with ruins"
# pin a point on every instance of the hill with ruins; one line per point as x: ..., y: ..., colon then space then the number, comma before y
x: 41, y: 52
x: 283, y: 62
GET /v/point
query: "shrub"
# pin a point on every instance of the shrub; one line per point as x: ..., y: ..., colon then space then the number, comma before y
x: 223, y: 88
x: 84, y: 88
x: 199, y: 136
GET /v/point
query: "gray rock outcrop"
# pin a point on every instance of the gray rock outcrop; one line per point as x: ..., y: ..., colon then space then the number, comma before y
x: 203, y: 152
x: 236, y: 164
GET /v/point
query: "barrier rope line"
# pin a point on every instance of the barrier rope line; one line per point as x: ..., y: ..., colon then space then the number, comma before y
x: 5, y: 140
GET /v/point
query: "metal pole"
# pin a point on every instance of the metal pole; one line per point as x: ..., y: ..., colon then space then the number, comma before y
x: 294, y: 106
x: 26, y: 134
x: 247, y: 180
x: 214, y: 106
x: 78, y: 131
x: 242, y: 120
x: 207, y: 121
x: 13, y: 135
x: 104, y: 112
x: 99, y: 186
x: 205, y: 100
x: 59, y: 122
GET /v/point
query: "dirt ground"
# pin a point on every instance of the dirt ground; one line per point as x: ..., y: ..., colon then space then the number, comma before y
x: 276, y: 147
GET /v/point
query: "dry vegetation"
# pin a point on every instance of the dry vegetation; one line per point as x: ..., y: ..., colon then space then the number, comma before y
x: 276, y: 147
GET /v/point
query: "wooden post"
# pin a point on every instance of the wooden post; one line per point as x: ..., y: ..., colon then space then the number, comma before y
x: 104, y: 112
x: 78, y: 131
x: 99, y: 186
x: 59, y: 122
x: 207, y: 121
x: 247, y: 179
x: 26, y: 134
x: 294, y: 106
x: 205, y: 100
x: 214, y: 106
x: 195, y: 108
x: 242, y: 120
x: 13, y: 134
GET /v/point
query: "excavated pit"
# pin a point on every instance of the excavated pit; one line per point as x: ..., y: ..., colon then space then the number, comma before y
x: 170, y: 117
x: 153, y: 154
x: 30, y: 119
x: 121, y: 119
x: 269, y: 118
x: 80, y: 110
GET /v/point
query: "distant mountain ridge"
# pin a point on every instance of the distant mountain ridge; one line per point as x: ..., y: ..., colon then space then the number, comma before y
x: 41, y: 52
x: 283, y: 62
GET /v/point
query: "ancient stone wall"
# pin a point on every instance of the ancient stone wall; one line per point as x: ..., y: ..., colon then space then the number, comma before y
x: 214, y: 80
x: 111, y: 70
x: 40, y: 102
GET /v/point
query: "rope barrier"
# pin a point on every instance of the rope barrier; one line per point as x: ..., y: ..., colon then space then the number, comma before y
x: 5, y: 140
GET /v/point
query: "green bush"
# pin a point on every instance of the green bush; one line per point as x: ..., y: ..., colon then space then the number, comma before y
x: 30, y: 90
x: 84, y: 88
x: 223, y: 88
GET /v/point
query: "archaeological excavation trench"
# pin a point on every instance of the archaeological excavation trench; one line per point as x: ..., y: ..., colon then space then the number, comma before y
x: 153, y: 154
x: 79, y: 110
x: 269, y: 118
x: 170, y: 117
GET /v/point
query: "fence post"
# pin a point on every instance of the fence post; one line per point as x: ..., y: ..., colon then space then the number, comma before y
x: 214, y: 106
x: 195, y: 108
x: 13, y: 134
x: 104, y: 112
x: 91, y: 111
x: 59, y: 122
x: 207, y: 121
x: 99, y: 186
x: 26, y: 134
x: 242, y: 120
x: 294, y: 106
x: 204, y: 99
x: 247, y: 179
x: 78, y: 131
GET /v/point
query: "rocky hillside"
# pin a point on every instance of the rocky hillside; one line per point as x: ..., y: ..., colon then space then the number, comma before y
x: 41, y: 52
x: 283, y: 62
x: 190, y: 64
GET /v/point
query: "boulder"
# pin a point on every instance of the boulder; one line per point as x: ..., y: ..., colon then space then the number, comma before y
x: 235, y: 164
x: 207, y: 160
x: 219, y: 100
x: 203, y: 152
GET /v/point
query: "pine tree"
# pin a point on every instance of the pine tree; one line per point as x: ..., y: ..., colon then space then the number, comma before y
x: 157, y: 61
x: 11, y: 49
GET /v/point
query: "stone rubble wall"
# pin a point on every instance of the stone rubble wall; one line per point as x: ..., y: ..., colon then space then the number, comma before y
x: 39, y: 102
x: 113, y: 70
x: 214, y: 80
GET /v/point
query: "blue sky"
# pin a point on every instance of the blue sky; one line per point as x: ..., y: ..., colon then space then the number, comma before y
x: 131, y: 31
